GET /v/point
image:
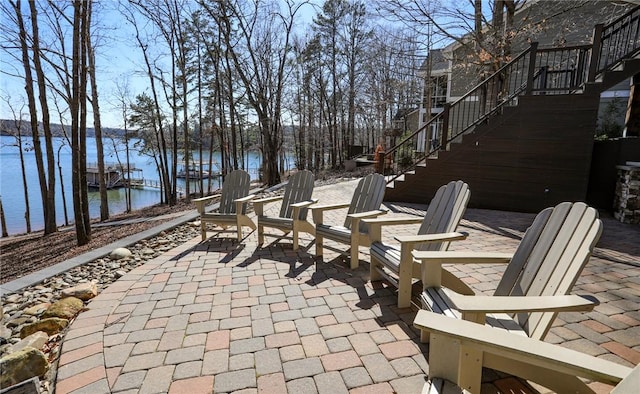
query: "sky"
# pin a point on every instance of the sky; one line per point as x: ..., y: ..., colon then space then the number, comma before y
x: 119, y: 62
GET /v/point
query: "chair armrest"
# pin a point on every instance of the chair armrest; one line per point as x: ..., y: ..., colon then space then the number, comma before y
x: 299, y: 206
x: 432, y: 262
x: 392, y: 221
x: 425, y: 238
x: 258, y: 205
x: 524, y: 349
x: 245, y: 198
x: 202, y: 201
x: 462, y: 257
x: 318, y: 211
x: 368, y: 214
x: 304, y: 204
x: 241, y: 201
x: 514, y: 304
x: 329, y: 207
x: 267, y: 199
x: 375, y: 225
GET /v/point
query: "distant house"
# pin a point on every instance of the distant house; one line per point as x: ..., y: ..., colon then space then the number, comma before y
x: 550, y: 24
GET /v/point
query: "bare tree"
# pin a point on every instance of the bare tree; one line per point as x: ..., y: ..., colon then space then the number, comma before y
x: 30, y: 51
x: 78, y: 110
x: 97, y: 123
x: 258, y: 40
x: 3, y: 222
x: 18, y: 127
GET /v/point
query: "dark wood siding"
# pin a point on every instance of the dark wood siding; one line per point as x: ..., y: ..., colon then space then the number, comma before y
x: 531, y: 156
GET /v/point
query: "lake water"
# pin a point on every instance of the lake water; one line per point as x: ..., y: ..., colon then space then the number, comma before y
x: 12, y: 190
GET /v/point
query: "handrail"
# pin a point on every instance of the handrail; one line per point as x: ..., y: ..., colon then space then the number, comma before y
x: 617, y: 41
x: 534, y: 71
x: 486, y: 98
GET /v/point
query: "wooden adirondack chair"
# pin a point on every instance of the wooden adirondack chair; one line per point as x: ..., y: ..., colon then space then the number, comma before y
x: 436, y: 231
x: 459, y: 350
x: 535, y: 284
x: 293, y: 211
x: 233, y: 205
x: 366, y: 201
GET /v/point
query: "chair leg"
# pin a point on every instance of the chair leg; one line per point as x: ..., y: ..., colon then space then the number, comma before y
x: 203, y: 230
x: 295, y: 237
x: 404, y: 291
x: 374, y: 266
x: 319, y: 241
x: 355, y: 261
x: 405, y: 273
x: 239, y: 230
x: 260, y: 234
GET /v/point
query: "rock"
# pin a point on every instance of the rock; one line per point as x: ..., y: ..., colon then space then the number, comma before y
x: 147, y: 251
x: 5, y: 333
x: 18, y: 321
x: 37, y: 340
x: 120, y: 273
x: 13, y: 298
x: 65, y: 308
x: 84, y: 291
x: 120, y: 253
x: 51, y: 326
x: 24, y: 364
x: 37, y: 309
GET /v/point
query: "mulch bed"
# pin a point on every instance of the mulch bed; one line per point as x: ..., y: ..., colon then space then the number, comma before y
x: 23, y: 254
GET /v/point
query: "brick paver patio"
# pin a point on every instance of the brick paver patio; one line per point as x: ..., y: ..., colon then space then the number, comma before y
x: 221, y: 316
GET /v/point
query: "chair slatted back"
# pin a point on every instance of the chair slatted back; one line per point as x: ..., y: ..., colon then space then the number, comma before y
x: 550, y: 258
x: 367, y: 196
x: 236, y: 185
x: 444, y: 213
x: 298, y: 189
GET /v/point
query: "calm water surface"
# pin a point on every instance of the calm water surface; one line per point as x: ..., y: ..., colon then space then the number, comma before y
x: 12, y: 189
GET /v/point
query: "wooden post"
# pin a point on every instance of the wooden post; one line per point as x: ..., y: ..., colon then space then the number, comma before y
x: 595, y: 52
x: 533, y: 49
x: 445, y: 126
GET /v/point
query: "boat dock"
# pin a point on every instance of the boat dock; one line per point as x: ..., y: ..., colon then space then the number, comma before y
x: 116, y: 175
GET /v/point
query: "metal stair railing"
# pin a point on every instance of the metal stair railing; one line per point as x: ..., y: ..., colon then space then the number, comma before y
x: 487, y: 98
x: 615, y: 42
x: 534, y: 72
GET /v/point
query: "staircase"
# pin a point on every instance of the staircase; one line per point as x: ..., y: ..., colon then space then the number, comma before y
x: 523, y: 137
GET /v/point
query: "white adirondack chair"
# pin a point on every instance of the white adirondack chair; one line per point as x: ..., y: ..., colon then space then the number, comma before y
x: 293, y: 211
x: 535, y: 284
x: 366, y: 201
x: 436, y: 231
x: 460, y: 349
x: 233, y: 205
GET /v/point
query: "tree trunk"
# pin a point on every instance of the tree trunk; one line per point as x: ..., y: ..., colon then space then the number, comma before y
x: 33, y: 112
x: 64, y: 197
x: 3, y: 222
x: 104, y: 201
x: 27, y: 210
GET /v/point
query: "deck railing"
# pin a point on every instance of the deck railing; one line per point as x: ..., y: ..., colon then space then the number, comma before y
x: 500, y: 89
x: 617, y: 41
x: 536, y: 71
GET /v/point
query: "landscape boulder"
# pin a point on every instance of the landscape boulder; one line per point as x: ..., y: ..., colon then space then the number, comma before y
x: 120, y: 253
x: 37, y: 340
x: 24, y: 364
x: 83, y: 291
x: 37, y: 309
x: 51, y: 326
x: 65, y: 308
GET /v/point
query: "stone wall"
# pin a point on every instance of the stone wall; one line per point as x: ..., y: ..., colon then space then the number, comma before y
x: 626, y: 203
